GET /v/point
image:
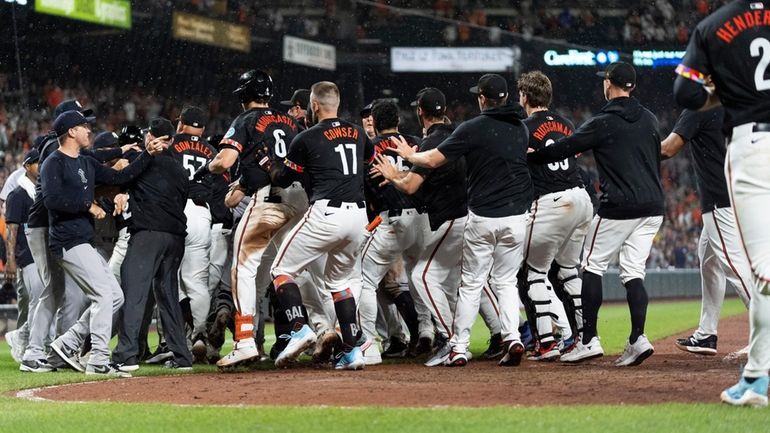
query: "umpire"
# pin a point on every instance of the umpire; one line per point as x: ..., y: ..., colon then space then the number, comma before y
x: 626, y: 145
x: 156, y: 201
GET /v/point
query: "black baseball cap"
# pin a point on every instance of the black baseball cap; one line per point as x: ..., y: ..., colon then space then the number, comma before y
x: 367, y: 110
x: 492, y: 86
x: 300, y: 97
x: 620, y: 74
x: 31, y: 157
x: 39, y: 142
x: 71, y: 105
x: 161, y: 126
x: 68, y: 120
x: 193, y: 116
x: 430, y: 99
x: 105, y: 139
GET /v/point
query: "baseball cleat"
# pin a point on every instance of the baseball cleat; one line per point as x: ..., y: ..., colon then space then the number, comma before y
x: 372, y: 355
x: 216, y: 334
x: 544, y: 352
x: 423, y: 346
x: 583, y: 352
x: 440, y: 356
x: 705, y: 346
x: 171, y: 364
x: 36, y: 366
x: 396, y: 349
x: 513, y: 354
x: 744, y: 393
x: 566, y: 345
x: 126, y: 368
x: 495, y: 348
x: 635, y: 354
x: 299, y: 341
x: 243, y: 351
x: 456, y: 359
x: 199, y: 351
x: 324, y: 347
x: 162, y: 353
x: 106, y: 370
x: 71, y: 357
x: 353, y: 360
x: 12, y: 338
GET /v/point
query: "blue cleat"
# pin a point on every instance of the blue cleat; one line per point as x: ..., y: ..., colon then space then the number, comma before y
x: 353, y: 360
x: 747, y: 394
x: 299, y: 341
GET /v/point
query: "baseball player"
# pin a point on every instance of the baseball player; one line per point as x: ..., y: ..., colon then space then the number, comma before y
x: 61, y: 299
x: 192, y: 151
x: 732, y: 46
x: 367, y: 121
x: 20, y: 265
x: 67, y: 181
x: 559, y: 220
x: 331, y: 156
x: 399, y: 235
x: 258, y: 127
x: 436, y: 272
x: 625, y: 142
x: 499, y: 194
x: 721, y: 255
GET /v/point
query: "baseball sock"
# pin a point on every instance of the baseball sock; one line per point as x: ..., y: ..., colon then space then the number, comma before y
x: 405, y: 305
x: 637, y: 304
x: 290, y: 301
x: 591, y: 300
x: 345, y: 307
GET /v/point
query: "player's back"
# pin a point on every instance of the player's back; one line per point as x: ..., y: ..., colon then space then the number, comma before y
x: 545, y: 128
x: 331, y: 154
x: 192, y: 152
x: 733, y: 46
x: 253, y: 130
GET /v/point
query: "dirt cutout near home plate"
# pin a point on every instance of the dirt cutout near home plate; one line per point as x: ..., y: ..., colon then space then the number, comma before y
x: 668, y: 376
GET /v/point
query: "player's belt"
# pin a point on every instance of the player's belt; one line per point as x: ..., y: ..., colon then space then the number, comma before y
x: 761, y: 127
x: 273, y: 199
x: 338, y: 203
x: 399, y: 212
x: 743, y: 130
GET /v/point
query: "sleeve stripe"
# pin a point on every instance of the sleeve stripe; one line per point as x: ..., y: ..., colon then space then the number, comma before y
x: 293, y: 166
x: 691, y: 74
x: 233, y: 143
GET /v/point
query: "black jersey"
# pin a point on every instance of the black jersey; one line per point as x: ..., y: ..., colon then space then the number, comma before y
x: 443, y: 191
x: 253, y: 130
x: 703, y: 130
x: 388, y: 197
x: 495, y: 148
x: 626, y: 145
x: 193, y: 152
x: 330, y: 156
x: 545, y: 128
x: 733, y: 46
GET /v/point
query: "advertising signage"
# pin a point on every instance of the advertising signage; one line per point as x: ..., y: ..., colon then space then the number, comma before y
x: 114, y: 13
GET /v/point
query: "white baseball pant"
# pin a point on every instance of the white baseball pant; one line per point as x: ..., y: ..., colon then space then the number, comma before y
x: 119, y: 252
x: 722, y: 262
x: 632, y: 238
x: 397, y: 236
x: 436, y: 273
x: 336, y: 232
x: 261, y: 223
x: 492, y: 247
x: 217, y: 255
x: 30, y: 282
x: 748, y: 157
x: 193, y: 272
x: 489, y: 310
x: 558, y: 221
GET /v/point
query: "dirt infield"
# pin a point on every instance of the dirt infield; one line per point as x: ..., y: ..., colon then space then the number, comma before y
x: 668, y: 376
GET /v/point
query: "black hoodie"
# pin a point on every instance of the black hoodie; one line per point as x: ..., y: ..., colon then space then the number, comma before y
x: 626, y: 144
x: 495, y: 148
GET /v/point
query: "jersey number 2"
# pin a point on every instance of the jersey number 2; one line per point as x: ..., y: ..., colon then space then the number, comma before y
x: 761, y: 46
x: 192, y: 163
x: 343, y: 157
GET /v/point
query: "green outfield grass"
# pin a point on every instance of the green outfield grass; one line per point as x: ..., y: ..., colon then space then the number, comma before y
x: 664, y: 319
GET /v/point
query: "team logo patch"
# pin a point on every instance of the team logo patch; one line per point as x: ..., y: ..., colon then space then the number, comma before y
x: 230, y: 133
x: 82, y: 175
